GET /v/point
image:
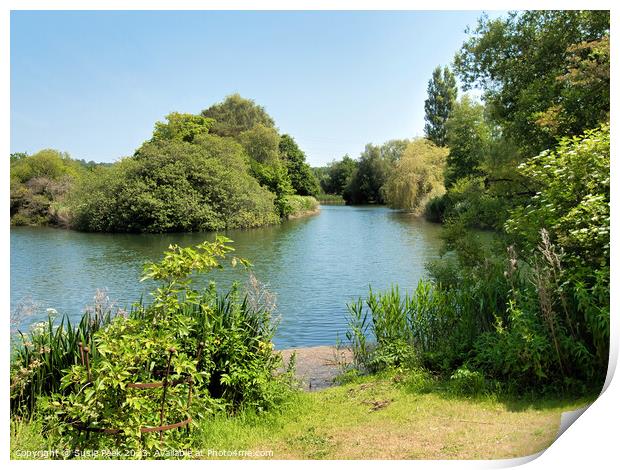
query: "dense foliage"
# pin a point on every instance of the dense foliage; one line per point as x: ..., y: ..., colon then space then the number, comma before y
x: 236, y: 115
x: 416, y: 177
x: 438, y: 106
x: 527, y: 305
x: 544, y: 73
x: 39, y: 187
x: 213, y: 349
x: 336, y: 176
x: 174, y: 186
x: 468, y: 136
x: 303, y: 180
x: 227, y: 168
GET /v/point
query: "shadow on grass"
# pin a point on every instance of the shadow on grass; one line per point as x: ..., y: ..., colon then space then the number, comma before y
x: 422, y: 382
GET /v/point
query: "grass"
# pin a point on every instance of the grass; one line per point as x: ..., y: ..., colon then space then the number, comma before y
x: 330, y: 198
x: 378, y: 418
x: 389, y: 416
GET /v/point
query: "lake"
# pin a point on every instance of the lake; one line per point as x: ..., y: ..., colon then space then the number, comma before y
x: 313, y: 265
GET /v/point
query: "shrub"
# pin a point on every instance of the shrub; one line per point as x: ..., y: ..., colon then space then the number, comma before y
x: 298, y: 205
x: 435, y: 208
x: 174, y: 186
x: 467, y: 382
x: 39, y: 186
x: 213, y: 349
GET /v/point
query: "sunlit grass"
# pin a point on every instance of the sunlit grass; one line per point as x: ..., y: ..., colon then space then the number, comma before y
x: 390, y: 416
x: 386, y: 418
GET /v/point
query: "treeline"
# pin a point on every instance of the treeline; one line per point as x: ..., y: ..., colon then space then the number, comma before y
x: 527, y: 304
x: 227, y: 167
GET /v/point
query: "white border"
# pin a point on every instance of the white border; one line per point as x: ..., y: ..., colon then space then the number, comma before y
x: 592, y: 442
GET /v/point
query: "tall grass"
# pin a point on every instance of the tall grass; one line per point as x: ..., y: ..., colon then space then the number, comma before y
x: 299, y: 205
x: 525, y: 322
x: 393, y: 328
x: 40, y: 356
x: 331, y: 199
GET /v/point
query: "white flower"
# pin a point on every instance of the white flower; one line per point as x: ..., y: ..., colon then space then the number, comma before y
x: 38, y: 328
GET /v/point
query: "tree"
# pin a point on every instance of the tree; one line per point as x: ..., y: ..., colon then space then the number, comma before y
x: 236, y: 115
x: 525, y: 64
x: 442, y: 93
x: 303, y: 180
x: 392, y: 150
x: 172, y: 186
x: 262, y: 144
x: 183, y: 127
x: 39, y: 186
x: 416, y: 177
x: 583, y: 99
x: 365, y: 184
x: 339, y: 174
x: 468, y: 136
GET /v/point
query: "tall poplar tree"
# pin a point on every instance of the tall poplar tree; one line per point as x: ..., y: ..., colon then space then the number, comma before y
x: 442, y: 93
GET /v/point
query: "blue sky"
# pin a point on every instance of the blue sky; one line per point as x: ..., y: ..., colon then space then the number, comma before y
x: 94, y: 83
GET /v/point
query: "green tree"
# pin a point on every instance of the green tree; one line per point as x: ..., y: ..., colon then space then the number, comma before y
x: 442, y: 93
x: 39, y: 186
x: 184, y: 127
x: 303, y: 180
x: 392, y: 150
x: 525, y: 63
x: 172, y: 186
x: 365, y: 184
x: 583, y: 98
x: 235, y: 115
x: 416, y: 177
x: 468, y: 136
x: 339, y: 175
x: 262, y: 144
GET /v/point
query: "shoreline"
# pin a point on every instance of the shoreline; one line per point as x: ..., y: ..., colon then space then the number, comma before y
x: 301, y: 214
x: 316, y: 367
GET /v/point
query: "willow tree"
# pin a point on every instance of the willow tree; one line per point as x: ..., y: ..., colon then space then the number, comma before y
x: 417, y: 177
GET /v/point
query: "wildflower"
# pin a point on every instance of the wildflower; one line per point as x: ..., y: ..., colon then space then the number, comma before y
x: 38, y: 328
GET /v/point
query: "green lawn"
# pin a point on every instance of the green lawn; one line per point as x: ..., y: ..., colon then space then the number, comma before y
x: 384, y: 417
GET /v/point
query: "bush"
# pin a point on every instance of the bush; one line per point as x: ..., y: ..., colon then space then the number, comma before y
x: 215, y: 348
x: 470, y: 204
x: 298, y: 205
x: 39, y: 186
x: 435, y: 209
x: 467, y: 382
x: 174, y: 186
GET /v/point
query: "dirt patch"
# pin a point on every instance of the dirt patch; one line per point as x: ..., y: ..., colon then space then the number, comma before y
x: 318, y: 366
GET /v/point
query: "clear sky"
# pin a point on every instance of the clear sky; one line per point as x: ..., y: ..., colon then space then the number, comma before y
x: 94, y: 83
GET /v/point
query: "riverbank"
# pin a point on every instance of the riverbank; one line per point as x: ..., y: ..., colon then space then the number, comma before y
x: 302, y: 206
x: 317, y: 367
x: 305, y: 213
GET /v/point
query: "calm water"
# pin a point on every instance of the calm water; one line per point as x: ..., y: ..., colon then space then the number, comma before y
x: 314, y: 265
